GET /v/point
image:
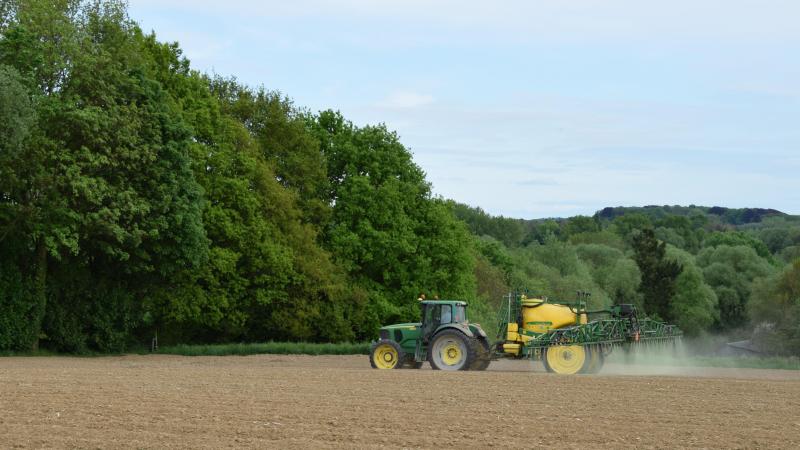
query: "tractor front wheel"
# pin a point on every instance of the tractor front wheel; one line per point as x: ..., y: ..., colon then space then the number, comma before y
x: 452, y: 350
x: 386, y: 354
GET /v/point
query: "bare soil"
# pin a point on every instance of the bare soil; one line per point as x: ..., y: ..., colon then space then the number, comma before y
x: 270, y: 401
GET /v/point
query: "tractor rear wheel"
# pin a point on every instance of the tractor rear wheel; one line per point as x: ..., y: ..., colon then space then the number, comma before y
x: 484, y: 355
x: 386, y: 354
x: 566, y: 359
x: 452, y: 350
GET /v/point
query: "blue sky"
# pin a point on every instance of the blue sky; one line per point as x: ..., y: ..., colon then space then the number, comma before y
x: 531, y: 108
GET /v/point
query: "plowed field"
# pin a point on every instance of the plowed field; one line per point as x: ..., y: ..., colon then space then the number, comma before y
x: 338, y: 401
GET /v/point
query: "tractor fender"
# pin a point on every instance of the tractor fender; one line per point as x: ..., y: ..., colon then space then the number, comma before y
x: 477, y: 331
x: 458, y: 326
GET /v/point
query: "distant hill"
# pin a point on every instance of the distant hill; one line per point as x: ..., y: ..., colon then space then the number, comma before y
x: 731, y: 216
x: 514, y: 232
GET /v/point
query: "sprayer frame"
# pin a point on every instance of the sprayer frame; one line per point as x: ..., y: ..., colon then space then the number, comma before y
x: 616, y: 326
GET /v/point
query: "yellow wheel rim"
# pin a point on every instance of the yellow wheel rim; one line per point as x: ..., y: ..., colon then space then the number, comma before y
x: 385, y: 357
x: 451, y: 354
x: 566, y: 359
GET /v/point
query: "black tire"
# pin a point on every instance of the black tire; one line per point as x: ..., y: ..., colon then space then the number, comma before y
x: 596, y: 360
x: 378, y: 355
x: 451, y: 350
x: 546, y: 366
x: 484, y: 352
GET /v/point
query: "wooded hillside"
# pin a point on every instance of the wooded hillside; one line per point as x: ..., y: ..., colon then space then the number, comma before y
x: 138, y: 195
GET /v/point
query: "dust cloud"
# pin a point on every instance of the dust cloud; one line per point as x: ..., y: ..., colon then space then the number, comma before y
x: 680, y: 358
x: 670, y: 358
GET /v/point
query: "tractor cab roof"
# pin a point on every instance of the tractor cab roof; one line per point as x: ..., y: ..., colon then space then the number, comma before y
x: 444, y: 302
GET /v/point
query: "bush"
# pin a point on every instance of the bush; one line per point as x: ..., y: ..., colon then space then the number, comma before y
x: 18, y: 332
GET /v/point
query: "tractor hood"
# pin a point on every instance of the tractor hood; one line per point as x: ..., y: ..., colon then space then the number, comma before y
x: 402, y: 326
x: 401, y: 333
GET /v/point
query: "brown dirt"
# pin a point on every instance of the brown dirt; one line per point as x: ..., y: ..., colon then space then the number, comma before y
x: 338, y: 401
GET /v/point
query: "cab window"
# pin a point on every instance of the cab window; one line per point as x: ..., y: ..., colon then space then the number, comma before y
x: 433, y: 314
x: 447, y: 315
x: 460, y: 314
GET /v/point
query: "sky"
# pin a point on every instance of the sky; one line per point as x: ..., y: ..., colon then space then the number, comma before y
x: 535, y: 109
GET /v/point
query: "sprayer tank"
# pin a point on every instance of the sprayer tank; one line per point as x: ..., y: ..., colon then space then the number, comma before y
x: 539, y: 316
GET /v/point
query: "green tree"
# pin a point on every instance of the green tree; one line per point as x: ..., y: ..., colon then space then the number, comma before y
x: 511, y: 232
x: 622, y: 282
x: 496, y: 254
x: 776, y: 302
x: 491, y: 282
x: 694, y: 307
x: 599, y: 258
x: 604, y: 237
x: 790, y: 253
x: 670, y: 236
x: 581, y: 224
x: 615, y: 273
x: 105, y: 189
x: 682, y: 231
x: 20, y: 315
x: 542, y: 232
x: 628, y: 226
x: 267, y: 277
x: 658, y: 274
x: 730, y: 270
x: 281, y: 133
x: 735, y: 238
x: 554, y: 269
x: 776, y: 239
x: 386, y: 230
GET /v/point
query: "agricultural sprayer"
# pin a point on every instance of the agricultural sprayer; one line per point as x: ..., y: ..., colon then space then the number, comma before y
x: 567, y: 337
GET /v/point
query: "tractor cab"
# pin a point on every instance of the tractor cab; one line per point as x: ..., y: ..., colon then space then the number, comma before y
x: 438, y: 313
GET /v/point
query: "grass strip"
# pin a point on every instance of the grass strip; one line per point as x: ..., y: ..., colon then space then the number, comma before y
x: 276, y: 348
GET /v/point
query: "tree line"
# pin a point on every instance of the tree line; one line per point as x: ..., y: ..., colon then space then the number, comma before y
x: 138, y: 195
x: 709, y: 270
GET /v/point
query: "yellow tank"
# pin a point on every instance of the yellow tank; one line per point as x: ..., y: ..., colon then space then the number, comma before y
x: 540, y: 317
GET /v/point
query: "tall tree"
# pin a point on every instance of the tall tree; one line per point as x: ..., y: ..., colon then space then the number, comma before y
x: 658, y: 274
x: 581, y: 224
x: 776, y: 304
x: 20, y: 309
x: 694, y: 307
x: 386, y: 230
x: 730, y: 270
x: 279, y: 130
x: 267, y: 277
x: 106, y: 196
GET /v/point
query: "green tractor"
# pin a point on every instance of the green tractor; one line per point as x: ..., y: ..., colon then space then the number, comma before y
x: 444, y: 338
